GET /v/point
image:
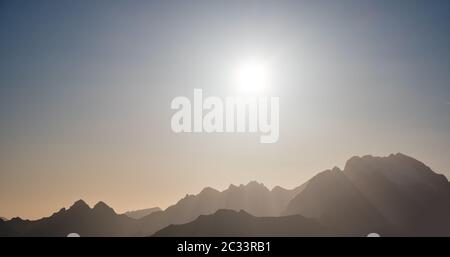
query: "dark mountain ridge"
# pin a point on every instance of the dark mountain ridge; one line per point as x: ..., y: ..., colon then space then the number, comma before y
x: 229, y: 223
x: 101, y: 220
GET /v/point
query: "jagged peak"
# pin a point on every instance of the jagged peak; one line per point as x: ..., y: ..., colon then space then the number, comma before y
x: 278, y: 188
x: 357, y: 161
x: 398, y: 168
x: 62, y: 210
x: 17, y: 219
x: 208, y: 190
x: 80, y: 204
x: 356, y: 158
x: 101, y: 206
x: 336, y: 169
x: 255, y: 183
x: 326, y: 174
x: 404, y: 157
x: 250, y: 185
x: 399, y: 155
x: 228, y: 212
x: 232, y: 186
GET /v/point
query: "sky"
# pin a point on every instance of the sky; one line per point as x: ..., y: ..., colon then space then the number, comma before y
x: 86, y: 87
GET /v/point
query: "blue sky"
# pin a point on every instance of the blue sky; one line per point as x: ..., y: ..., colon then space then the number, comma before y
x: 85, y: 91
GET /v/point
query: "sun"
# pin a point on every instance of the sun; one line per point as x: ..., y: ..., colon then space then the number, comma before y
x: 252, y: 76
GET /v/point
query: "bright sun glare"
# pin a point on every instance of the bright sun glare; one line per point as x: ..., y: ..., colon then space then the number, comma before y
x: 252, y: 76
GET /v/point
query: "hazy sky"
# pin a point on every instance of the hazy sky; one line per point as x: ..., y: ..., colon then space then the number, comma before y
x: 86, y: 86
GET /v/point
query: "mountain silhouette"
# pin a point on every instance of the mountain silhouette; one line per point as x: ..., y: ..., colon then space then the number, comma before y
x: 137, y: 214
x: 331, y: 198
x: 227, y: 223
x: 101, y: 220
x: 405, y: 191
x: 254, y: 198
x: 392, y: 196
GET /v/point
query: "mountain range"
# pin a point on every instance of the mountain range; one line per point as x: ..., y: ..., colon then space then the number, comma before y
x: 101, y: 220
x: 392, y: 196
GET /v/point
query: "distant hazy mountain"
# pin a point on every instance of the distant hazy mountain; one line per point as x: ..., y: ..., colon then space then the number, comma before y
x: 254, y: 198
x: 394, y: 195
x: 231, y: 223
x: 137, y: 214
x: 4, y: 219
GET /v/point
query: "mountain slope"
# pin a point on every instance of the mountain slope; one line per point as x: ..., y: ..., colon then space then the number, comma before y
x: 405, y: 191
x: 394, y: 195
x: 333, y: 200
x: 231, y: 223
x: 137, y: 214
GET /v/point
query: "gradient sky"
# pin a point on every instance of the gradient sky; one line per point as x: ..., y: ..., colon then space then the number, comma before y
x: 86, y: 86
